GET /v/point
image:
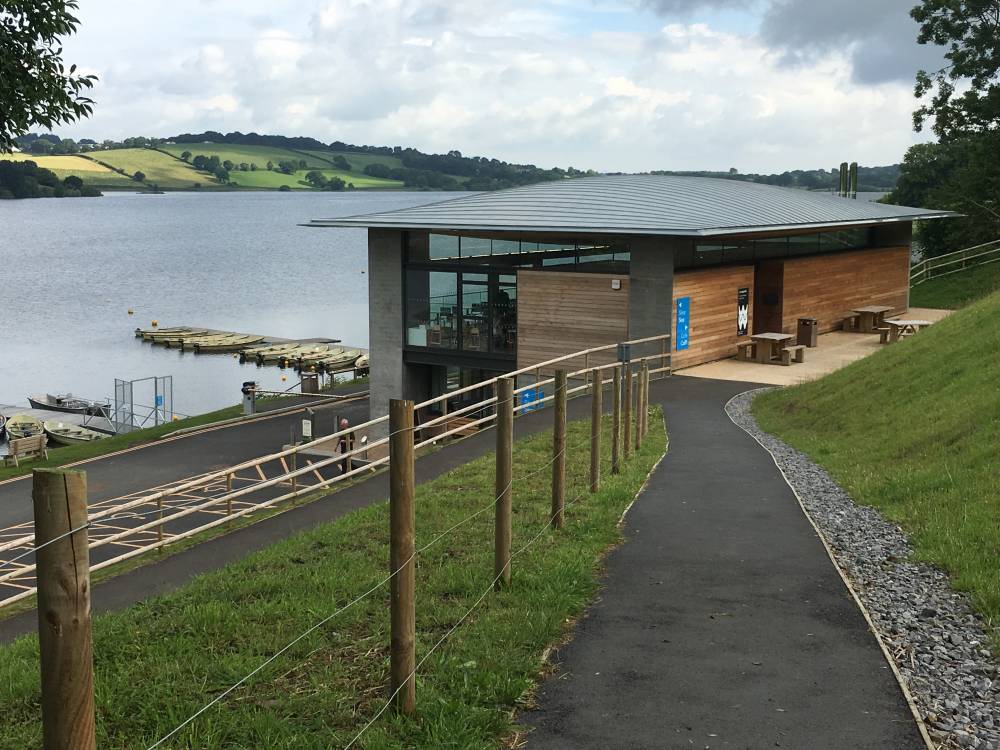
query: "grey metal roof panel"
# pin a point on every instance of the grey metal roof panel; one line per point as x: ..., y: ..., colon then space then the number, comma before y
x: 639, y: 204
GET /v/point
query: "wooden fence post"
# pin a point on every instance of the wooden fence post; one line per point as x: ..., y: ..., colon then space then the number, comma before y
x: 616, y: 420
x: 504, y: 478
x: 64, y: 640
x: 627, y: 416
x: 645, y: 399
x: 402, y: 656
x: 559, y: 450
x: 596, y: 407
x: 638, y: 409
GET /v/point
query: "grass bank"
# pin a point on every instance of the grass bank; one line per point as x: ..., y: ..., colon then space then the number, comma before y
x: 913, y: 430
x: 958, y: 289
x: 159, y: 662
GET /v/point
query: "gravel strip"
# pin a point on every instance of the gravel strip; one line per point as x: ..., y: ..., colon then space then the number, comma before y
x: 939, y: 644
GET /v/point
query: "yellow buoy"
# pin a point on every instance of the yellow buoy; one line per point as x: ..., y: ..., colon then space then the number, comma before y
x: 283, y: 378
x: 176, y: 418
x: 131, y: 311
x: 155, y: 323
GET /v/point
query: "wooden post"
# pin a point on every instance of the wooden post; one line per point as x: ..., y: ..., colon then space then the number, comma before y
x: 402, y: 654
x: 627, y: 417
x: 559, y: 450
x: 638, y: 409
x: 159, y: 528
x: 645, y: 401
x: 64, y: 641
x: 295, y: 465
x: 505, y: 461
x: 229, y: 489
x: 663, y: 356
x: 616, y: 420
x: 597, y: 394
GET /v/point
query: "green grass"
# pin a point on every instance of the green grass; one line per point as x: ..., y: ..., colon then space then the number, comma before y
x: 913, y: 430
x: 236, y: 153
x: 274, y: 180
x: 158, y: 662
x: 89, y: 171
x: 159, y: 168
x: 957, y: 289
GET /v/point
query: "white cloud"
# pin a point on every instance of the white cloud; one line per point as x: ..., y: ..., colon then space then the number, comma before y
x: 538, y: 82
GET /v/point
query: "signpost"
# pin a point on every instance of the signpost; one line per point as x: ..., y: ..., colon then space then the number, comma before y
x: 683, y: 322
x: 742, y: 311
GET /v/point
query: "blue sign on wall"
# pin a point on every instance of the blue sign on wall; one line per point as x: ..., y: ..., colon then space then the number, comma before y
x: 683, y: 322
x: 529, y: 397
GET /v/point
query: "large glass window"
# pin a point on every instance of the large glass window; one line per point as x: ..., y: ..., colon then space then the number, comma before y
x: 475, y: 312
x: 505, y: 314
x: 715, y: 252
x: 432, y: 309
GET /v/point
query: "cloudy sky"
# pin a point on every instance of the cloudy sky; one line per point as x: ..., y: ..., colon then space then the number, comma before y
x: 760, y: 85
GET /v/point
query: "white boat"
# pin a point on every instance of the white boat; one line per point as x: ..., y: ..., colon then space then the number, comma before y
x: 64, y: 433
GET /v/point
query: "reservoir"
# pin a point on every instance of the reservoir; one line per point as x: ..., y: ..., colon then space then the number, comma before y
x: 70, y: 269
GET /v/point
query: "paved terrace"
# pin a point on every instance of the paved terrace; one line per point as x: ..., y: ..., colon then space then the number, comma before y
x: 834, y: 351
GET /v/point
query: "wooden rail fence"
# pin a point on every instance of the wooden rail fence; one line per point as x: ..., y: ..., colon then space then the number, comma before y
x: 63, y: 551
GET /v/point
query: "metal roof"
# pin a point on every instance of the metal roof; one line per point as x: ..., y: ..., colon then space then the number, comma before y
x: 638, y: 204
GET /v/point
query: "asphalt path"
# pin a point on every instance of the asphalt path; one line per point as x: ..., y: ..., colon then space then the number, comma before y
x: 722, y: 622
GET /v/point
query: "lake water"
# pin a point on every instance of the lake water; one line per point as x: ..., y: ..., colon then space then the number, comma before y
x: 70, y: 270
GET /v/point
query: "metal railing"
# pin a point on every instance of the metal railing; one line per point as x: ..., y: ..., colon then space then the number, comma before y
x: 137, y: 525
x: 942, y: 265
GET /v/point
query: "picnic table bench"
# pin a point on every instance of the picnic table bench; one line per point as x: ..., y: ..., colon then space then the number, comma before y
x: 26, y: 447
x: 899, y: 328
x: 867, y: 319
x: 768, y: 348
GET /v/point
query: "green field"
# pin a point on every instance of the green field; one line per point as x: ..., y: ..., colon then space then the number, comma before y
x: 159, y: 168
x: 274, y: 180
x: 236, y: 153
x: 158, y: 662
x: 957, y: 289
x: 90, y: 172
x: 358, y: 162
x: 913, y: 430
x: 262, y: 178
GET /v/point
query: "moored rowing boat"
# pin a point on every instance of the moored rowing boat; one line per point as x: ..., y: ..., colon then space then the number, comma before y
x: 71, y: 434
x: 22, y: 426
x: 233, y: 344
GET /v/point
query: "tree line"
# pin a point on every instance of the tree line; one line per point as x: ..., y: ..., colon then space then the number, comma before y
x: 25, y: 179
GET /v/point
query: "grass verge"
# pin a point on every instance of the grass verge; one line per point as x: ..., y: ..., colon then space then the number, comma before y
x: 957, y: 289
x: 158, y: 662
x: 913, y: 430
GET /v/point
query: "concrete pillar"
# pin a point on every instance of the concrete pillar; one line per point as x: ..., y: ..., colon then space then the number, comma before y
x: 651, y: 288
x: 390, y: 377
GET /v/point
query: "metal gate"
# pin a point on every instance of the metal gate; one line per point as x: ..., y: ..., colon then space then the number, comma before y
x: 155, y: 404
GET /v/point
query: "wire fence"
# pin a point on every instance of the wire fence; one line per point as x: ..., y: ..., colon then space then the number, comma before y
x: 149, y: 522
x: 566, y: 449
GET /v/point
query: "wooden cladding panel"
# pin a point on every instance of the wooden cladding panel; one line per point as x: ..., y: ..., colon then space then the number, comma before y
x: 563, y: 312
x: 828, y: 286
x: 713, y: 293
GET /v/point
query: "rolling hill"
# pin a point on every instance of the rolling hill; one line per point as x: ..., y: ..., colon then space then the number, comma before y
x: 90, y: 172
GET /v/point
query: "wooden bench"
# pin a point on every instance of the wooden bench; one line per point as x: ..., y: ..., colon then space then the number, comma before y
x: 851, y: 322
x: 745, y: 351
x: 883, y: 335
x: 27, y: 447
x: 797, y: 350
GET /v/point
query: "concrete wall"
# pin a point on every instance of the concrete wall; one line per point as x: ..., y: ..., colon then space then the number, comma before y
x: 651, y: 285
x: 390, y: 376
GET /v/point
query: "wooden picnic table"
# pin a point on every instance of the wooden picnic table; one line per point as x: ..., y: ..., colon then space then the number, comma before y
x: 768, y: 345
x: 871, y: 317
x: 899, y: 328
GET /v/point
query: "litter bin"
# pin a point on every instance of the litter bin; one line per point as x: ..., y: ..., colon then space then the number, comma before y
x: 310, y: 382
x: 807, y: 332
